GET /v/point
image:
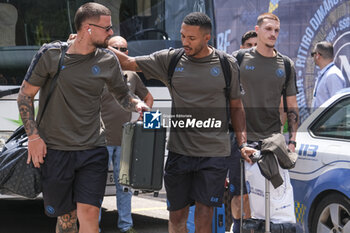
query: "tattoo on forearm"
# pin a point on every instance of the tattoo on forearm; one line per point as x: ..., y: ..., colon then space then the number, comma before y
x: 67, y: 223
x: 26, y: 110
x: 128, y: 104
x: 292, y: 122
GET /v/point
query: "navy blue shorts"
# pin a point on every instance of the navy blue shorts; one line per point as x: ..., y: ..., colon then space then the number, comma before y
x: 69, y: 177
x: 234, y: 168
x: 191, y: 179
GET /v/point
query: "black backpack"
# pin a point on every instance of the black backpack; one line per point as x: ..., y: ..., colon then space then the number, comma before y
x: 287, y: 70
x: 225, y: 66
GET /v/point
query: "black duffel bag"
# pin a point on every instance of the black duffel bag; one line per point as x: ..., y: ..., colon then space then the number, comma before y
x: 16, y: 176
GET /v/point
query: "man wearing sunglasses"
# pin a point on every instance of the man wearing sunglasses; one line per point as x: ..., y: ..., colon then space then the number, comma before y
x: 69, y: 144
x: 330, y: 78
x: 114, y: 116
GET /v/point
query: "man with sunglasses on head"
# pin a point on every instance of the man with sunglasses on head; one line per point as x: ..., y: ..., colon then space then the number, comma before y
x: 114, y: 117
x: 69, y: 144
x: 330, y: 78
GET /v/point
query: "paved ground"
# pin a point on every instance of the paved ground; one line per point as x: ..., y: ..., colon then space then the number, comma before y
x: 149, y: 213
x: 27, y: 216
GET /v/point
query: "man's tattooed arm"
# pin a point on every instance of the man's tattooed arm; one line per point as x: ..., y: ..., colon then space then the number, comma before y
x: 293, y: 117
x: 26, y: 108
x: 129, y: 102
x: 67, y: 223
x: 293, y: 120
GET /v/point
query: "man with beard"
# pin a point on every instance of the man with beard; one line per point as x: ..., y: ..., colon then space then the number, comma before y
x: 69, y: 144
x: 263, y: 78
x: 196, y: 167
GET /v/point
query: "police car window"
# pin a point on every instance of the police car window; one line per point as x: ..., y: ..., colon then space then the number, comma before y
x: 335, y: 123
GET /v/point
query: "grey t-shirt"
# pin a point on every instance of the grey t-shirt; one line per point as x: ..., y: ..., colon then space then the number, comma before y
x: 72, y: 119
x: 197, y: 91
x: 262, y: 80
x: 113, y: 115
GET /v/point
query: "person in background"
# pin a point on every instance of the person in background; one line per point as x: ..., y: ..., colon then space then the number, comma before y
x: 114, y: 116
x: 69, y: 144
x: 196, y: 166
x: 249, y: 39
x: 263, y: 77
x: 330, y: 79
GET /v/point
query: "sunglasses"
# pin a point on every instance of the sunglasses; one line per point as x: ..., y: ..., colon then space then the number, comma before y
x: 105, y: 28
x: 121, y: 49
x: 313, y: 54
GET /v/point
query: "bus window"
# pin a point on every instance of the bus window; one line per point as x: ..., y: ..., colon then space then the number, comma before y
x: 148, y: 25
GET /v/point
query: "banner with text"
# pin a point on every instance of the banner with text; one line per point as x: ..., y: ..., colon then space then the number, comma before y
x: 303, y: 23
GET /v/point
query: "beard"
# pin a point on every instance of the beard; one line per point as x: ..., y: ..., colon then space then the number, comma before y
x: 103, y: 44
x: 194, y: 51
x: 270, y: 46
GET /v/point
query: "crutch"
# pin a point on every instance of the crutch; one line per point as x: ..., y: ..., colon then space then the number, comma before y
x: 241, y: 192
x: 267, y: 206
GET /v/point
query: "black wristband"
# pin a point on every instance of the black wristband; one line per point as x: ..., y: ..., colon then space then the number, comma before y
x: 292, y: 142
x: 244, y: 144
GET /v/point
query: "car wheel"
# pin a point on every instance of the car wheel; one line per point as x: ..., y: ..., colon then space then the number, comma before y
x: 332, y: 215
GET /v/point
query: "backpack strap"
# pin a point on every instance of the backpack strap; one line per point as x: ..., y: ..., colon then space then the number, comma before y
x: 226, y: 69
x: 240, y: 55
x: 225, y: 66
x: 64, y: 48
x: 173, y: 62
x: 288, y: 71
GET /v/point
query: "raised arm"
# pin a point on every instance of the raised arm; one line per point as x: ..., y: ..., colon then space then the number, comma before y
x: 25, y: 101
x: 126, y: 62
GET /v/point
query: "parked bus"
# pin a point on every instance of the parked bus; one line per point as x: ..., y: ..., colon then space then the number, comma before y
x: 151, y: 25
x: 148, y: 26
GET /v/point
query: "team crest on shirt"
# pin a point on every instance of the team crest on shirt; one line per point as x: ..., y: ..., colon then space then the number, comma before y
x: 215, y: 71
x: 96, y: 70
x: 280, y: 73
x: 50, y: 209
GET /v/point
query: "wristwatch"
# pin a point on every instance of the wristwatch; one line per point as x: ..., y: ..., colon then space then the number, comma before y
x: 244, y: 144
x: 292, y: 142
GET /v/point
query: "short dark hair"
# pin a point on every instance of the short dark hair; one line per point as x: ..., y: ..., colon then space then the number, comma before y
x: 198, y: 19
x: 90, y: 10
x: 248, y: 35
x: 266, y: 16
x: 325, y: 49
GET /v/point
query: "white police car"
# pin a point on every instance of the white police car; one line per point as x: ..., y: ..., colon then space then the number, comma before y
x: 321, y: 177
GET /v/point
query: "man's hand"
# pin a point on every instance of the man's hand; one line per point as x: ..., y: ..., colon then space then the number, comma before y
x: 142, y: 107
x: 246, y: 152
x: 71, y: 38
x: 291, y: 147
x: 36, y: 150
